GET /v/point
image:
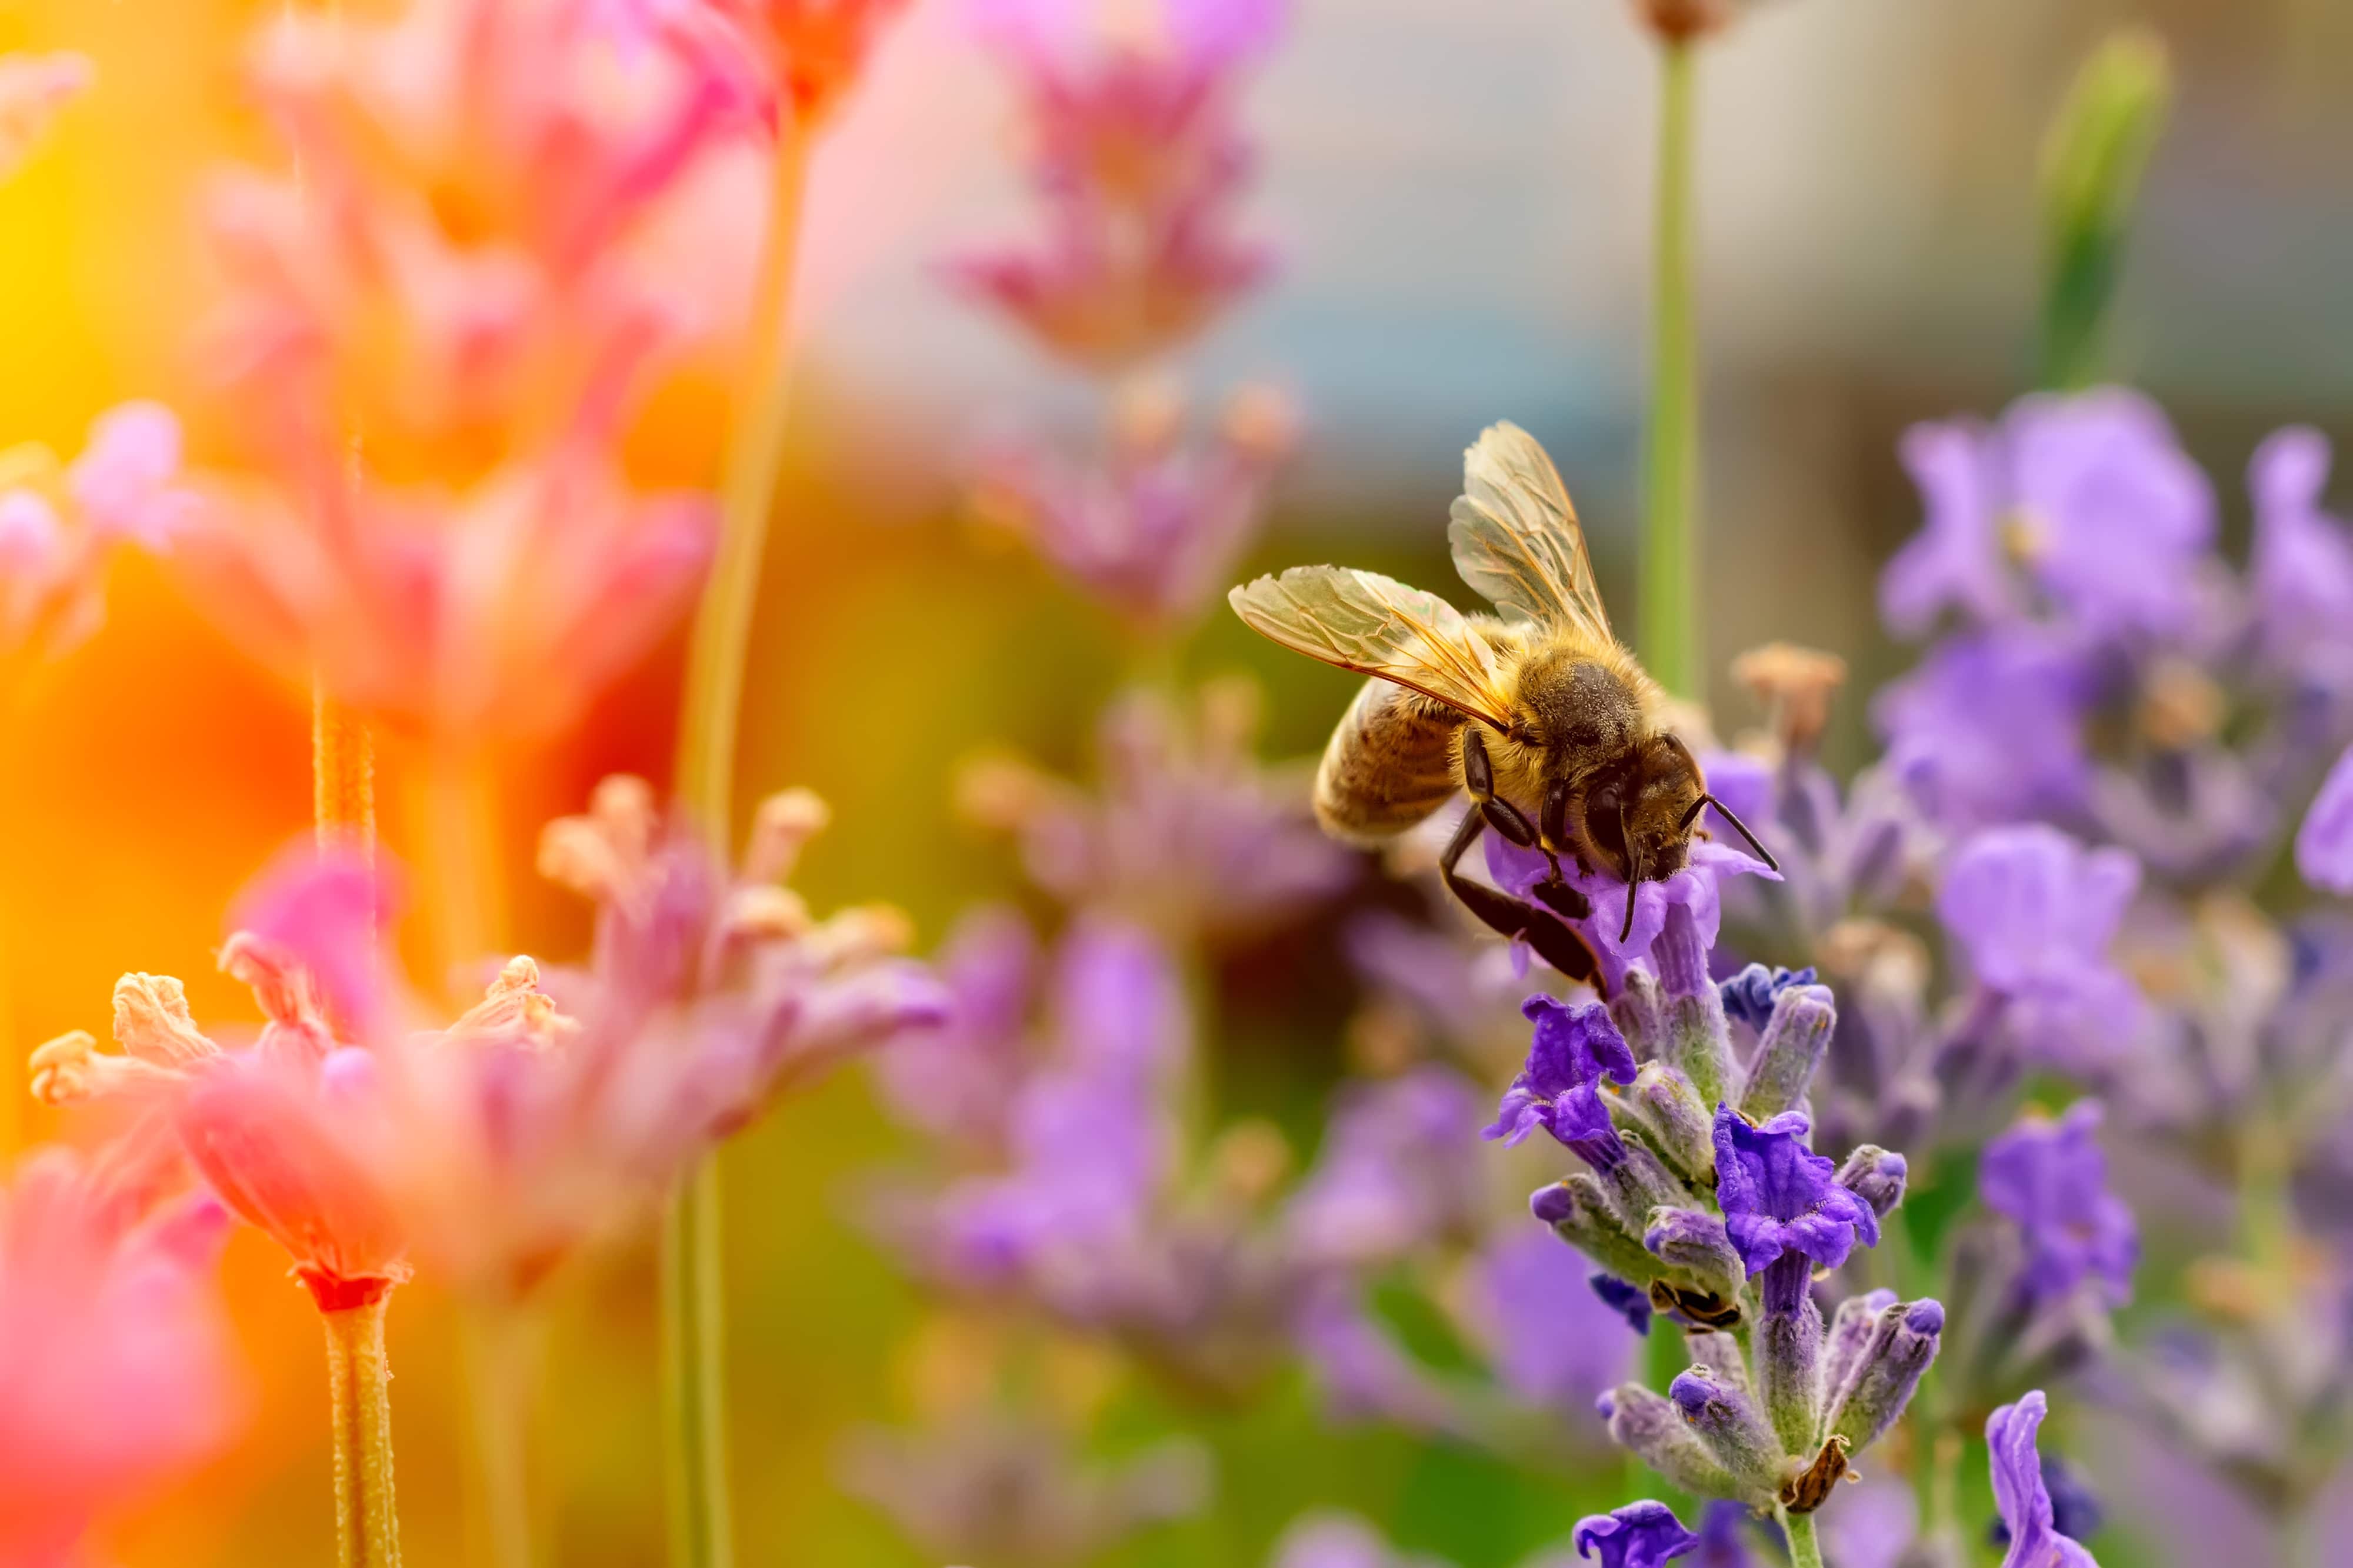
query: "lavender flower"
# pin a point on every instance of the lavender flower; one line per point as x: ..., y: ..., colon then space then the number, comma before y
x: 1749, y: 996
x: 1554, y: 1335
x: 1988, y: 728
x: 2324, y: 844
x: 2019, y: 1493
x: 2036, y: 913
x: 2301, y: 575
x: 1779, y: 1198
x: 1685, y: 906
x: 2091, y: 496
x: 2051, y: 1179
x: 1395, y: 1172
x: 1639, y: 1535
x: 1575, y: 1049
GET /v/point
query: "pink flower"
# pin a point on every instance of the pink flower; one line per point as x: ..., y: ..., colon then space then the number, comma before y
x: 114, y: 1363
x: 268, y: 1127
x: 1138, y: 160
x: 33, y: 87
x: 1155, y: 528
x: 60, y: 524
x: 493, y: 612
x: 804, y: 54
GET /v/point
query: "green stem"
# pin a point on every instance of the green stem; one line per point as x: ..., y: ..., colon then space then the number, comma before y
x: 693, y: 1358
x: 359, y: 1385
x: 693, y: 1376
x: 502, y: 1360
x: 1670, y: 573
x: 1804, y: 1550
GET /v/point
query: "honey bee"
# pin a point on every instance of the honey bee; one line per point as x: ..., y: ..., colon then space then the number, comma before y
x: 1538, y: 712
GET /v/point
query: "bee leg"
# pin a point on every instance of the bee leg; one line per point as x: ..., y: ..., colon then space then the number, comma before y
x: 1552, y: 833
x: 1553, y: 942
x: 1479, y: 778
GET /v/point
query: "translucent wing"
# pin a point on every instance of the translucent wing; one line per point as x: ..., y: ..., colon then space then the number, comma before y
x: 1515, y: 537
x: 1377, y: 625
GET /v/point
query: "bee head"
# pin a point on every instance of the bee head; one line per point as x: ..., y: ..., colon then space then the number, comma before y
x: 1663, y: 791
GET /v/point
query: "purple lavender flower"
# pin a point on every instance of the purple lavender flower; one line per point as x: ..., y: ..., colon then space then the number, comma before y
x: 2091, y: 495
x: 1695, y: 890
x: 1955, y: 561
x: 1749, y: 996
x: 2052, y: 1180
x: 1989, y: 728
x: 2018, y: 1491
x: 1722, y: 1527
x: 956, y: 1081
x: 1628, y: 1301
x: 2076, y: 1510
x: 1395, y: 1172
x: 1643, y: 1534
x: 1552, y: 1340
x: 2324, y: 844
x: 2302, y: 570
x: 1780, y: 1197
x: 2035, y: 911
x: 1574, y: 1048
x: 1365, y: 1374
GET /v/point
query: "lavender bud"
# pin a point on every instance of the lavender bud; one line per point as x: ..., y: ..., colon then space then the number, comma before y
x: 1730, y: 1427
x: 1789, y: 1363
x: 1681, y: 954
x: 1721, y: 1354
x: 1677, y: 1123
x: 1640, y: 1012
x: 1881, y: 1383
x: 1793, y: 1046
x: 1640, y: 1182
x: 1692, y: 1242
x: 1581, y: 1214
x: 1700, y: 1043
x: 1850, y: 1330
x: 1875, y: 1176
x: 1653, y: 1429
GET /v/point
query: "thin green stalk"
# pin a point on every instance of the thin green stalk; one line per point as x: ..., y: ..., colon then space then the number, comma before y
x: 1670, y: 573
x: 693, y: 1349
x: 701, y: 1532
x: 501, y: 1362
x: 1805, y: 1552
x: 359, y: 1385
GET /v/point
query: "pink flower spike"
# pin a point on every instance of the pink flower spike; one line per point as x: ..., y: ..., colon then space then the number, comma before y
x: 324, y: 909
x: 114, y: 1360
x: 122, y: 482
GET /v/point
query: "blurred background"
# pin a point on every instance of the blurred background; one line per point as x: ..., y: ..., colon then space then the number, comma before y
x: 1460, y: 196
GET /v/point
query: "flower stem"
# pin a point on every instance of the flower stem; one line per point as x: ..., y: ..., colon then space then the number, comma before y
x: 1670, y: 574
x: 1805, y: 1552
x: 693, y: 1359
x: 755, y: 452
x: 501, y: 1364
x: 701, y: 1536
x: 343, y: 774
x: 359, y: 1383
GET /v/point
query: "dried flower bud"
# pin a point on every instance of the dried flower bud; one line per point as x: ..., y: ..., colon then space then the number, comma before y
x: 766, y: 913
x: 1810, y: 1487
x: 152, y: 1022
x: 1794, y: 686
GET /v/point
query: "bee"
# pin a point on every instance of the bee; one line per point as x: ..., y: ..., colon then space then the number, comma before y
x: 1536, y: 712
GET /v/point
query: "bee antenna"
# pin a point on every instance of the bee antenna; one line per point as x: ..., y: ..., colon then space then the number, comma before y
x: 1725, y: 812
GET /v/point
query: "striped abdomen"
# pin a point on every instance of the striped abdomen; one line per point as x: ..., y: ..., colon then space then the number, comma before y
x: 1390, y: 765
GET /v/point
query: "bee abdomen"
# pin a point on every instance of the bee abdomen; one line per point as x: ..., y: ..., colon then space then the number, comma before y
x: 1390, y: 765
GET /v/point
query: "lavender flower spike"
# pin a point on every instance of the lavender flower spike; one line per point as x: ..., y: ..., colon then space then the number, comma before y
x: 1573, y: 1050
x: 1793, y: 1046
x: 1643, y: 1534
x: 2324, y: 844
x: 2051, y: 1180
x: 1778, y: 1196
x: 2018, y: 1491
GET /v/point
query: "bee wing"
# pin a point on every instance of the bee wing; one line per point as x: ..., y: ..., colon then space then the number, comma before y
x: 1515, y: 536
x: 1377, y: 625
